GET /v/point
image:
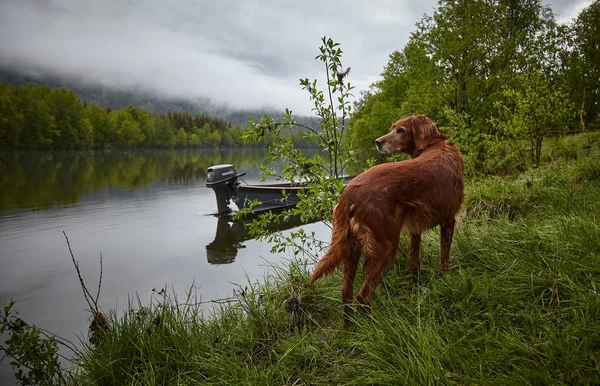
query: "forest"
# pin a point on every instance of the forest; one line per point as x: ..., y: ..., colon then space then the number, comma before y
x: 497, y: 76
x: 40, y: 117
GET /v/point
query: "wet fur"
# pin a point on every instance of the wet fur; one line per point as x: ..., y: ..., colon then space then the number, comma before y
x: 412, y: 196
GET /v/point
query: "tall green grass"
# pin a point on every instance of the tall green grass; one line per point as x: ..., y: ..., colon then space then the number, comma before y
x: 519, y: 306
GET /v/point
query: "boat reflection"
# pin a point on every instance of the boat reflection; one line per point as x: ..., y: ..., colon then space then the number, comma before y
x: 231, y: 234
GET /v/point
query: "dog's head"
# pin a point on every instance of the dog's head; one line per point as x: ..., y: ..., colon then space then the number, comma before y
x: 409, y: 135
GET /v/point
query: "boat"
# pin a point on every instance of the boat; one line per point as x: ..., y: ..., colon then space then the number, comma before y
x: 225, y: 181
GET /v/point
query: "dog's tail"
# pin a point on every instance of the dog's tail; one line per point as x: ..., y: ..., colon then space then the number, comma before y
x: 340, y: 243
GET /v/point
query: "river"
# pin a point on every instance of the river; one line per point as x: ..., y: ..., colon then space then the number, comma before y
x: 147, y: 212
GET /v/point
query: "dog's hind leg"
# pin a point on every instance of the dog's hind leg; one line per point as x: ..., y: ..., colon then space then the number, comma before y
x: 380, y: 252
x: 350, y: 265
x: 446, y: 234
x: 379, y: 256
x: 375, y: 269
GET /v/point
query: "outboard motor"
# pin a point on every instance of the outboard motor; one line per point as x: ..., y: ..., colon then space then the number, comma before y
x: 224, y: 180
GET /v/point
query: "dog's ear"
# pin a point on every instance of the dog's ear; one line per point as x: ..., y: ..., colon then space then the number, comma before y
x: 424, y: 131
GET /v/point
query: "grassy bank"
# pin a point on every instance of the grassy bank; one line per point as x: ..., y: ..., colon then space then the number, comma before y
x: 519, y: 306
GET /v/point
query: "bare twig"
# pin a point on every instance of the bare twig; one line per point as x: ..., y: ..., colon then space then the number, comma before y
x: 91, y: 301
x: 309, y: 129
x: 86, y: 293
x: 99, y: 282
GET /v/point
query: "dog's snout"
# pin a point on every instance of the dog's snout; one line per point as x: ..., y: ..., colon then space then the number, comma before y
x: 378, y: 143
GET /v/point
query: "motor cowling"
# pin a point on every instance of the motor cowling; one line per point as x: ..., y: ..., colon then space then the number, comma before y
x: 223, y: 180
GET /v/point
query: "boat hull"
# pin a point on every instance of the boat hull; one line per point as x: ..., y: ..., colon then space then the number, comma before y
x: 271, y: 197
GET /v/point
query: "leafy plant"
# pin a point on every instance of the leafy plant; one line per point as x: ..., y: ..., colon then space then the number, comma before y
x: 320, y: 175
x: 33, y: 353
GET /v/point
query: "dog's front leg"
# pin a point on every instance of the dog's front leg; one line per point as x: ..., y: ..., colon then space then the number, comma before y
x: 415, y: 250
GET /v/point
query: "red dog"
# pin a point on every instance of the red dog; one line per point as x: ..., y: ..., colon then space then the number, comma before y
x: 413, y: 195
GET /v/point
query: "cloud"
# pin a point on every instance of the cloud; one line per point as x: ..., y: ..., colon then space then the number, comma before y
x: 568, y: 10
x: 244, y: 54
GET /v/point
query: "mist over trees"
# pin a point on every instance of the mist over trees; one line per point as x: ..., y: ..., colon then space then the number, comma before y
x: 39, y: 117
x: 498, y: 76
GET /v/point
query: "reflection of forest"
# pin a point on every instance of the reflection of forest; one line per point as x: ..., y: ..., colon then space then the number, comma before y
x: 41, y: 180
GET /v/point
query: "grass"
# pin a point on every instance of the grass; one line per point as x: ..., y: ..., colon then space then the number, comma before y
x: 519, y: 306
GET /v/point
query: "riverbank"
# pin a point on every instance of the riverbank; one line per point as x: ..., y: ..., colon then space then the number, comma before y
x: 519, y: 306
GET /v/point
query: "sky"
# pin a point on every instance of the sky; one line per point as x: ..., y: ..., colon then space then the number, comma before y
x: 244, y: 54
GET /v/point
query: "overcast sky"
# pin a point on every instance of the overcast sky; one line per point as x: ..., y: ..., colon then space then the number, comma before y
x: 242, y: 53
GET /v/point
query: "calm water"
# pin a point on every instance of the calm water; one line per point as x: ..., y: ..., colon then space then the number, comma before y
x: 146, y: 212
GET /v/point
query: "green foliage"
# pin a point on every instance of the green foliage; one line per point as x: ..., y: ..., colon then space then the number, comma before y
x: 33, y: 354
x: 11, y: 118
x: 181, y: 138
x: 533, y: 112
x: 475, y: 146
x: 582, y: 64
x: 321, y: 177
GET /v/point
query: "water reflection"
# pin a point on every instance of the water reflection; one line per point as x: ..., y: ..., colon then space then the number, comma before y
x: 230, y: 235
x: 34, y: 181
x: 95, y: 183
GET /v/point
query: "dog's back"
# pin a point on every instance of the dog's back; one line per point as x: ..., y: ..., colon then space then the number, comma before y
x: 428, y: 189
x: 412, y: 195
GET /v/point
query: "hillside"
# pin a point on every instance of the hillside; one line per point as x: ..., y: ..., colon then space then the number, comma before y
x: 155, y: 104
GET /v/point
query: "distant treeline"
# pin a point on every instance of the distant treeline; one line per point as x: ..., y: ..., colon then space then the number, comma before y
x: 39, y: 117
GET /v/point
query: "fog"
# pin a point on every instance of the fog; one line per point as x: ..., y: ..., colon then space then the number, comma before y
x: 243, y: 54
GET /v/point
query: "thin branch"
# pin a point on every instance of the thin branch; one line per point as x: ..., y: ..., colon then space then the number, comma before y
x: 310, y: 129
x: 99, y: 282
x: 83, y: 287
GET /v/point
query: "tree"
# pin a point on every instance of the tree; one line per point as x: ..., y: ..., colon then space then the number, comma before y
x: 585, y: 63
x: 455, y: 68
x: 39, y: 125
x: 371, y: 121
x: 67, y: 110
x: 124, y: 129
x: 181, y: 138
x: 131, y: 133
x: 214, y: 139
x: 535, y: 110
x: 146, y: 122
x: 11, y: 118
x: 164, y: 133
x: 193, y: 141
x: 97, y: 119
